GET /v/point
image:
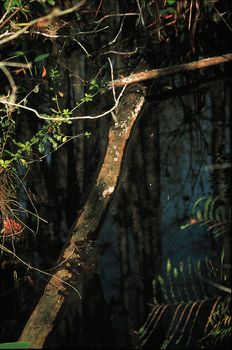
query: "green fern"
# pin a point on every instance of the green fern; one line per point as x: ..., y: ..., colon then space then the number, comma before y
x: 212, y: 212
x: 185, y: 304
x: 219, y: 324
x: 186, y: 301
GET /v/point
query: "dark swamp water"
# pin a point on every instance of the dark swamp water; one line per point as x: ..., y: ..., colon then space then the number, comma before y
x: 180, y: 153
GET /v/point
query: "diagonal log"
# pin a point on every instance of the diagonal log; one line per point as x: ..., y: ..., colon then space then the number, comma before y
x: 78, y: 262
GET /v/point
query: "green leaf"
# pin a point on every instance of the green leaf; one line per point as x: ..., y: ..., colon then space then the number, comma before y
x: 181, y: 266
x: 175, y: 272
x: 167, y: 11
x: 41, y: 57
x: 183, y: 227
x: 51, y: 2
x: 222, y: 256
x: 24, y: 162
x: 169, y: 266
x: 141, y: 330
x: 93, y: 85
x: 58, y: 137
x: 18, y: 53
x: 161, y: 280
x: 217, y: 214
x: 53, y: 142
x: 208, y: 209
x: 10, y: 4
x: 198, y: 202
x: 41, y: 148
x: 54, y: 111
x: 171, y: 2
x: 199, y: 215
x: 15, y: 345
x: 4, y: 163
x: 66, y: 112
x: 9, y: 153
x: 87, y: 134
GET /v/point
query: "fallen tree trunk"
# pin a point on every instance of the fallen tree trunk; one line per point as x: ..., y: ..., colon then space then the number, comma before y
x: 78, y: 265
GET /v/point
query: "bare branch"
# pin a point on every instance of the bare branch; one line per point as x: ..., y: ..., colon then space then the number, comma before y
x: 14, y: 64
x: 163, y: 72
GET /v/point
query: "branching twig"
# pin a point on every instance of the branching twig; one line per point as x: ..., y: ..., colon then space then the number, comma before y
x: 41, y: 116
x: 222, y: 18
x: 55, y: 13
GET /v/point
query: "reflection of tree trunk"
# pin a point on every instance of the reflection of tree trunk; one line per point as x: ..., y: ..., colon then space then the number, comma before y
x: 90, y: 328
x: 221, y: 175
x: 76, y: 263
x: 137, y: 234
x: 150, y: 140
x: 137, y: 221
x: 76, y: 155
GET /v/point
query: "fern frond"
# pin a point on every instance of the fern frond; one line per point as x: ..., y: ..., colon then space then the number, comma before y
x: 213, y: 212
x: 219, y: 324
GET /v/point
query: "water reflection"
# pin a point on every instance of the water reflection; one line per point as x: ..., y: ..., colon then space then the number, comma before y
x: 179, y: 153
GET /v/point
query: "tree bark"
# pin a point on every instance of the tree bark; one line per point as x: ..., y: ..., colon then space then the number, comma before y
x: 76, y: 263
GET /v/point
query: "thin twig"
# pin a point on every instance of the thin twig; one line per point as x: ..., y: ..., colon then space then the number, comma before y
x: 120, y: 53
x: 83, y: 48
x: 112, y: 79
x: 141, y: 13
x: 13, y: 86
x: 117, y: 35
x: 117, y: 15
